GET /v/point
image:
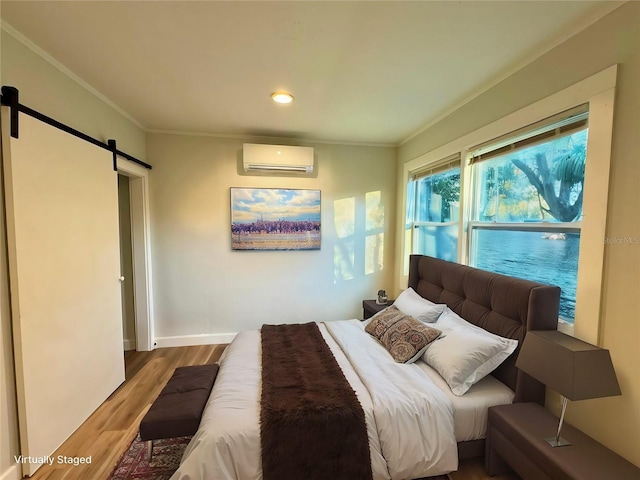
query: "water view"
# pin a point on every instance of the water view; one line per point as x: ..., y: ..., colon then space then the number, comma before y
x: 534, y: 182
x: 518, y: 254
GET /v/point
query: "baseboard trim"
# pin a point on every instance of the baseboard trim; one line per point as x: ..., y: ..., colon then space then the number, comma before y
x: 11, y: 473
x: 128, y: 345
x: 190, y: 340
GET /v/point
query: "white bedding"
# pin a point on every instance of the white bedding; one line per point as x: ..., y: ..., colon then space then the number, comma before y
x: 470, y: 409
x: 409, y: 419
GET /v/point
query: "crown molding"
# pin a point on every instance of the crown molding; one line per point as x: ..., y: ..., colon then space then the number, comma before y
x: 577, y: 28
x: 4, y: 26
x: 271, y: 138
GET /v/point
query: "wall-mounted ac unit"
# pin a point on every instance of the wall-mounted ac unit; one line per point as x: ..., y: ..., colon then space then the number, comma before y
x: 277, y: 158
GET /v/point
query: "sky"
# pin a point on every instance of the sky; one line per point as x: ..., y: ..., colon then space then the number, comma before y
x: 250, y: 204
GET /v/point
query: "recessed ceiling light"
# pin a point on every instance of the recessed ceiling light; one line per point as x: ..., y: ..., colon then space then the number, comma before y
x: 282, y: 97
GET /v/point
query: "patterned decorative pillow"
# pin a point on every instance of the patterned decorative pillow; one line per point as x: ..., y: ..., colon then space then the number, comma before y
x: 404, y: 337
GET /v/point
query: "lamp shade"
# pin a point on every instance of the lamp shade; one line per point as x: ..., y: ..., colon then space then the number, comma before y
x: 575, y: 369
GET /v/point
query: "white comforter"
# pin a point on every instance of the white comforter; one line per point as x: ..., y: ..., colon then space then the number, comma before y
x: 409, y: 420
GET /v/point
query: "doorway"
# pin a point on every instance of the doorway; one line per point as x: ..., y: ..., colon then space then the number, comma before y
x: 126, y: 265
x: 137, y: 301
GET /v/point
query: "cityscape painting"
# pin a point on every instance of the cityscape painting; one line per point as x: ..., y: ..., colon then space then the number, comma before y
x: 275, y: 219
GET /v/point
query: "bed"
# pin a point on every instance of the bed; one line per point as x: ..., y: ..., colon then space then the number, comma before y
x: 416, y: 426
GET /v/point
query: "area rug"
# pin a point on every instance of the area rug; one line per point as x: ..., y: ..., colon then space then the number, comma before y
x: 133, y: 464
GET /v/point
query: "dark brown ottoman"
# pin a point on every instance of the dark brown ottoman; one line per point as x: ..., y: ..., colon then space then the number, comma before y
x: 178, y: 409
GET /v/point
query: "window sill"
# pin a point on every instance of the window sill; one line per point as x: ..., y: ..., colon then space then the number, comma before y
x: 565, y: 327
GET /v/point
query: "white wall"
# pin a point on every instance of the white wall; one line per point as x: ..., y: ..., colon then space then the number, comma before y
x: 202, y: 287
x: 615, y: 39
x: 44, y: 87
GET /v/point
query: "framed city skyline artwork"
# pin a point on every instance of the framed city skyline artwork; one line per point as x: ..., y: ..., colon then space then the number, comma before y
x: 275, y: 219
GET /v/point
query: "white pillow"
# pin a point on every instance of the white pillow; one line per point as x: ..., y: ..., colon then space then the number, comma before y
x: 465, y: 354
x: 450, y: 319
x: 412, y: 304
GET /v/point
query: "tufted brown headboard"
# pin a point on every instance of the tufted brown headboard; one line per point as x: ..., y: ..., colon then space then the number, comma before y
x: 503, y: 305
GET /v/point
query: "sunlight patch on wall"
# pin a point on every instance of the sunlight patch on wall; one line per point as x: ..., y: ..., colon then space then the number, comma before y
x: 344, y: 216
x: 375, y: 211
x: 374, y: 240
x: 359, y: 226
x: 343, y: 261
x: 374, y: 253
x: 344, y: 220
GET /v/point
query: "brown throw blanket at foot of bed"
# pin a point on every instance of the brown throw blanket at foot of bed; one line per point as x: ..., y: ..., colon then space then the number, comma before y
x: 312, y: 426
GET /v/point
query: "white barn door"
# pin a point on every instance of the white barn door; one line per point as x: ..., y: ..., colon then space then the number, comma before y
x: 64, y: 262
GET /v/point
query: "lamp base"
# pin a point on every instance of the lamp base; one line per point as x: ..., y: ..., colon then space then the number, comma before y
x: 557, y: 442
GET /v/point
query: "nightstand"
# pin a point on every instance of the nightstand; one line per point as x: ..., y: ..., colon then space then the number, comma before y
x: 370, y: 308
x: 515, y: 438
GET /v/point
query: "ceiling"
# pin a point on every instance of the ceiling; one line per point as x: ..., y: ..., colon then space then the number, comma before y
x: 363, y: 72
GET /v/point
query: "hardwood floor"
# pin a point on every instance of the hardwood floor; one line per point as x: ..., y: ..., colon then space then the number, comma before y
x: 108, y: 432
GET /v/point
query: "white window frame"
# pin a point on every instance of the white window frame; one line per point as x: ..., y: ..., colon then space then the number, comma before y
x: 598, y: 91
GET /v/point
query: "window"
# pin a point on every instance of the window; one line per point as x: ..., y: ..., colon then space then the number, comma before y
x: 433, y: 212
x: 500, y: 203
x: 527, y: 206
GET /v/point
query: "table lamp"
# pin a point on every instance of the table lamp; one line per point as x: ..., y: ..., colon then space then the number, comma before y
x: 575, y: 369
